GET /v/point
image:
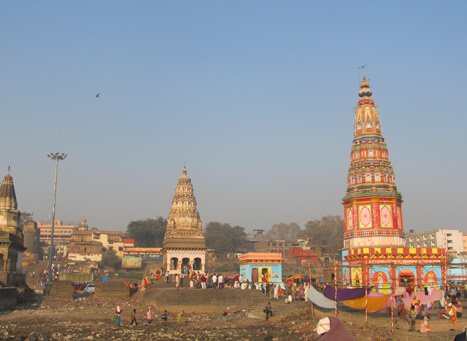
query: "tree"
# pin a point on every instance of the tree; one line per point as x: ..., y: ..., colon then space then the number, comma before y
x: 326, y: 234
x: 25, y: 217
x: 111, y: 260
x: 284, y: 231
x: 225, y: 239
x: 148, y: 232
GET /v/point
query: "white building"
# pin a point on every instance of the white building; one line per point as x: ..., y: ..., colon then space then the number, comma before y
x: 451, y: 240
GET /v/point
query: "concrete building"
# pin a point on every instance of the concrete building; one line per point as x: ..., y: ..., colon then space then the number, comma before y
x: 451, y: 240
x: 276, y: 246
x: 261, y: 267
x: 83, y: 248
x: 62, y: 235
x: 91, y: 244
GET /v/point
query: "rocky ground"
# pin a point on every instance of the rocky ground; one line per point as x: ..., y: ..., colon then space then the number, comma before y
x: 89, y: 320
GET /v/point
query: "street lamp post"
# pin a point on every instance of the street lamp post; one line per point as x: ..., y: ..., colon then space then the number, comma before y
x: 56, y: 157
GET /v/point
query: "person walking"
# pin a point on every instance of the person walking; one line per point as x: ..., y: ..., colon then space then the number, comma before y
x: 268, y: 310
x: 118, y: 316
x: 149, y: 316
x: 203, y: 281
x: 220, y: 279
x: 133, y: 317
x: 214, y: 281
x: 177, y: 281
x: 236, y: 280
x: 190, y: 278
x: 165, y: 317
x: 412, y: 317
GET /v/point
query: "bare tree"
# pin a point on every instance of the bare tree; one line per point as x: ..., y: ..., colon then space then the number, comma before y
x: 284, y: 231
x: 326, y: 234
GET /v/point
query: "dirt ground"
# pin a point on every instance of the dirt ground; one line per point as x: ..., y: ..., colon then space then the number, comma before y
x: 87, y: 320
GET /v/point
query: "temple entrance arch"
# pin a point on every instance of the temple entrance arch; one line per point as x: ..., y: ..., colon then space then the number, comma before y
x: 197, y: 265
x: 174, y: 263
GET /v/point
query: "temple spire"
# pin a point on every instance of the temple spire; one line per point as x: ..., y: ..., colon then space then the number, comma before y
x: 372, y: 204
x: 184, y: 225
x: 7, y: 194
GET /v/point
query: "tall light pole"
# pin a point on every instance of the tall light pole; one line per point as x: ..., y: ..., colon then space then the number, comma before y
x: 56, y: 157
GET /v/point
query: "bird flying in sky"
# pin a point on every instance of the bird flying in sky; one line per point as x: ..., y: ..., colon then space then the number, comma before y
x: 98, y: 95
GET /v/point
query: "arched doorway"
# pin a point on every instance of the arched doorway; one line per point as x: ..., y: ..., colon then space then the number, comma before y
x: 197, y: 264
x: 174, y: 263
x: 186, y: 265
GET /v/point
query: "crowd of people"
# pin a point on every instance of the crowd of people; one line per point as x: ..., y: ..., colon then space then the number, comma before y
x: 290, y: 291
x: 450, y: 308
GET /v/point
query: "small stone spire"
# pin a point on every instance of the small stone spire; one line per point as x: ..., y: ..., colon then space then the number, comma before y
x: 184, y: 171
x: 83, y: 224
x: 7, y: 193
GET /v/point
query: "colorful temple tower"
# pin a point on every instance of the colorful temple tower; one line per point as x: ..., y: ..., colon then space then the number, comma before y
x: 372, y: 204
x: 374, y: 246
x: 184, y: 246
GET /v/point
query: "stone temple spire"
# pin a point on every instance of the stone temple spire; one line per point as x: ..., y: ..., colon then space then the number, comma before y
x: 372, y: 204
x: 7, y: 194
x: 184, y: 225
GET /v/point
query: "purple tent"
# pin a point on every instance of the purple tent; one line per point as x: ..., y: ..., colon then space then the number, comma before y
x: 343, y: 293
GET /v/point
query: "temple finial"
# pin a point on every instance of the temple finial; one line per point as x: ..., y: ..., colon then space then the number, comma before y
x: 184, y: 171
x: 8, y: 169
x: 362, y: 67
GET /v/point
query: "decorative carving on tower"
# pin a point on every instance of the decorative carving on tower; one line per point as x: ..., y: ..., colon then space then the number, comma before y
x: 372, y: 204
x: 184, y: 226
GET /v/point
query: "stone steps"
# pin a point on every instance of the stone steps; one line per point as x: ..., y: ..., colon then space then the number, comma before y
x: 210, y: 300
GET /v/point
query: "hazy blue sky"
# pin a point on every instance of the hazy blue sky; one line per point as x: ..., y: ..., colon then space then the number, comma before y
x: 257, y: 97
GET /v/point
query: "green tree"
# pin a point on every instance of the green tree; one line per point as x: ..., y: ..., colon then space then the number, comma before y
x: 225, y: 239
x: 111, y: 260
x: 148, y: 232
x: 326, y: 234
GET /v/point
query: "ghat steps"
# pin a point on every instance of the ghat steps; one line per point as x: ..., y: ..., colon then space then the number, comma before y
x: 199, y: 300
